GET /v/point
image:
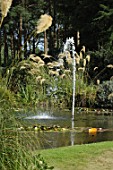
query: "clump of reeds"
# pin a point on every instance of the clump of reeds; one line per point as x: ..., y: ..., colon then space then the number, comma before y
x: 4, y: 6
x: 43, y: 23
x: 15, y: 152
x: 82, y: 60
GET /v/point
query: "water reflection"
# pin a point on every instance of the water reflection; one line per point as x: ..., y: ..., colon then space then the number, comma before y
x: 66, y: 138
x: 72, y: 136
x: 36, y: 140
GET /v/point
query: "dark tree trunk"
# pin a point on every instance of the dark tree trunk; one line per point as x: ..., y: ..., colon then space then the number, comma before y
x: 54, y: 23
x: 5, y: 49
x: 20, y: 39
x: 0, y: 50
x: 25, y: 41
x: 50, y: 44
x: 12, y: 46
x: 33, y: 45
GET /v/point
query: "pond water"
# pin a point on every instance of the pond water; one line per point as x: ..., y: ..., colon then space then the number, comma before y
x: 63, y: 119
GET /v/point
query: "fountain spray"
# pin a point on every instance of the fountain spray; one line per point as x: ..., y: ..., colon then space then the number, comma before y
x: 69, y: 46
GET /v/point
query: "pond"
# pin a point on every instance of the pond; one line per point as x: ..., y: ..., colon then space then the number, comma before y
x: 83, y: 120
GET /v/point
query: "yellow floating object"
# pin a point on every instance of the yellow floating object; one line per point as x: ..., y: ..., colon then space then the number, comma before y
x: 92, y: 130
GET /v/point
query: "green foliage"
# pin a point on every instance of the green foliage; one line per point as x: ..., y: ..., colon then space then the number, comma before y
x: 41, y: 164
x: 27, y: 94
x: 104, y: 96
x: 14, y: 154
x: 29, y: 81
x: 85, y: 93
x: 104, y: 23
x: 7, y: 98
x: 61, y: 91
x: 32, y: 82
x: 100, y: 59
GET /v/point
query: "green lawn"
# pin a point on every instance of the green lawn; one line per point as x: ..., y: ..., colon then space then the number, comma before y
x: 96, y: 156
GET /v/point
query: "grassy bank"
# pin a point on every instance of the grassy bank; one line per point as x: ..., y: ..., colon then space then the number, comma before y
x: 81, y: 157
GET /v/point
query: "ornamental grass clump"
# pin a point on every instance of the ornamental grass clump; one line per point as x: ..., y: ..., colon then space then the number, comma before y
x: 16, y: 146
x: 85, y: 90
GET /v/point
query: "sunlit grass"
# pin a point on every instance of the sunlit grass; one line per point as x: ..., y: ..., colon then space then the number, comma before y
x: 77, y: 157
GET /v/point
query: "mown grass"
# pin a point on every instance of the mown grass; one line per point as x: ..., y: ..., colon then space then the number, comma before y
x: 80, y: 157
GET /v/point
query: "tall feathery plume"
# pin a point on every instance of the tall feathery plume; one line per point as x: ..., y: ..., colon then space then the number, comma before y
x: 44, y: 23
x: 4, y: 6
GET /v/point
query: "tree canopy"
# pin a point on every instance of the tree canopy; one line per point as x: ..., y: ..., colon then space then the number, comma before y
x: 93, y: 19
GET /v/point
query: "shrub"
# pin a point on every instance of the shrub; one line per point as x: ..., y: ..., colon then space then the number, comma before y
x: 7, y: 98
x: 104, y: 96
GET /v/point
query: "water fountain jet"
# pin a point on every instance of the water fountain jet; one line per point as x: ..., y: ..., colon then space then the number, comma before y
x: 69, y: 45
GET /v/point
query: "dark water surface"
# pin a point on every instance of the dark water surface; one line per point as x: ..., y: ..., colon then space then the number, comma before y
x: 63, y: 119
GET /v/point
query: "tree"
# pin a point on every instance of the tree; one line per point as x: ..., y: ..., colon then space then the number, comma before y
x: 20, y: 22
x: 104, y: 22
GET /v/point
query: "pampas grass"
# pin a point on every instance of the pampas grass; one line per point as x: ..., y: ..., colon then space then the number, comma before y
x: 83, y: 49
x: 36, y: 59
x: 98, y: 81
x: 81, y: 55
x: 42, y: 81
x: 53, y: 73
x: 46, y: 56
x: 110, y: 96
x: 110, y: 66
x: 43, y: 23
x: 81, y: 68
x: 4, y: 6
x: 95, y: 68
x: 88, y: 58
x: 84, y: 62
x: 77, y: 60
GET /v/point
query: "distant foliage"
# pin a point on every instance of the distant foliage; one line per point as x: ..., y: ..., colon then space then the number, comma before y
x: 98, y: 68
x: 104, y: 97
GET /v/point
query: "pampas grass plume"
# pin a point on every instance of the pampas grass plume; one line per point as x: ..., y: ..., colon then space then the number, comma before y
x: 84, y: 62
x: 77, y: 55
x: 83, y: 49
x: 81, y: 68
x: 69, y: 60
x: 110, y: 96
x: 111, y: 78
x: 43, y: 23
x: 5, y: 6
x: 110, y: 66
x: 42, y: 81
x: 62, y: 76
x: 51, y: 72
x: 36, y: 59
x: 38, y: 78
x: 77, y: 60
x: 98, y: 81
x: 81, y: 55
x: 88, y: 58
x: 46, y: 56
x: 95, y: 68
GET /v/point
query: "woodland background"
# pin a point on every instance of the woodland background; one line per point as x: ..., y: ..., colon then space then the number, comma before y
x: 93, y: 19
